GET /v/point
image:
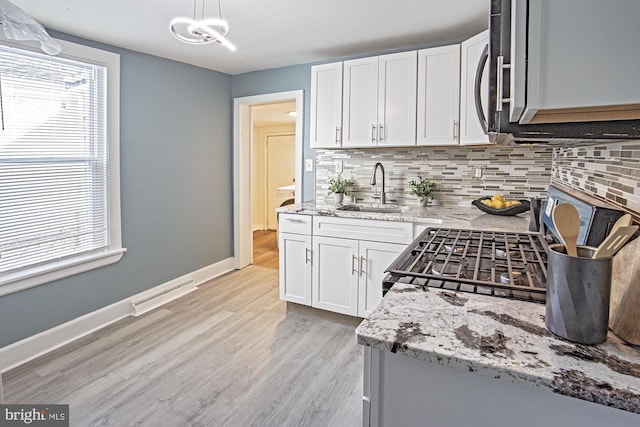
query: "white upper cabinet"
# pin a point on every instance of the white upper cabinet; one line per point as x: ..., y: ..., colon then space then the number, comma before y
x: 397, y: 80
x: 360, y: 103
x: 326, y: 105
x: 379, y: 101
x: 474, y: 90
x: 439, y: 96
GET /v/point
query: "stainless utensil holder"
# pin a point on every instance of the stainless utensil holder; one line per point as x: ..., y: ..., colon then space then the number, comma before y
x: 578, y: 292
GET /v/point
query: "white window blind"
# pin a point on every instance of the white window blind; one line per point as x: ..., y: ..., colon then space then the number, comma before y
x: 53, y: 159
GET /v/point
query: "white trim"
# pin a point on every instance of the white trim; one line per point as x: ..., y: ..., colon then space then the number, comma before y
x: 55, y: 270
x: 29, y: 348
x: 242, y: 130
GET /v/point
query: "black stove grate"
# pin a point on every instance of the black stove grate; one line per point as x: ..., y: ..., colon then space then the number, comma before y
x: 502, y: 264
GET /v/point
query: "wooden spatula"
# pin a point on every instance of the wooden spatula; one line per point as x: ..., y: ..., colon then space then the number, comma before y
x: 615, y: 241
x: 567, y: 222
x: 624, y: 221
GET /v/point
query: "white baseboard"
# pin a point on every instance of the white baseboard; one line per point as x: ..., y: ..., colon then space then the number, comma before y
x: 34, y: 346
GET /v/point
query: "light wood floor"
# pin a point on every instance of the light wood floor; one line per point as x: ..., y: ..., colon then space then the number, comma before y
x: 229, y: 354
x: 265, y: 249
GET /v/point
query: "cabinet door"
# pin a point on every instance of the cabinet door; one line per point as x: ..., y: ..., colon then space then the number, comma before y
x: 375, y: 257
x: 397, y: 81
x: 472, y: 130
x: 295, y: 268
x: 326, y: 105
x: 439, y: 95
x: 360, y: 103
x: 335, y: 275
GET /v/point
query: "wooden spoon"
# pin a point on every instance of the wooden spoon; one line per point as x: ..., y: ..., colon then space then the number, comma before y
x: 566, y: 219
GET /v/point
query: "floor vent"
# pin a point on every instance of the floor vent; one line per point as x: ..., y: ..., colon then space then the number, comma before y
x: 162, y: 296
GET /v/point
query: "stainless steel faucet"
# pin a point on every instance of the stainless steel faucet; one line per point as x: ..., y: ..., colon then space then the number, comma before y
x: 373, y: 181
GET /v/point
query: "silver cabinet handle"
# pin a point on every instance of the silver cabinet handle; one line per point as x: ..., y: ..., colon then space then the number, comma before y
x: 363, y: 264
x: 373, y: 133
x: 456, y: 126
x: 307, y: 255
x: 354, y: 264
x: 337, y: 134
x: 380, y: 133
x: 294, y: 220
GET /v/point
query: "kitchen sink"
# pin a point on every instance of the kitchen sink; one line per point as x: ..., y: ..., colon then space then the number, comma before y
x: 376, y: 209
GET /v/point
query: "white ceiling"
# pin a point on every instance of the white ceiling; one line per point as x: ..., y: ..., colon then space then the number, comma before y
x: 273, y: 114
x: 268, y: 34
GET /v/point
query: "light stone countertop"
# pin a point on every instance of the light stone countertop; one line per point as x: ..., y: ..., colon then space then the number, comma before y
x: 463, y: 217
x: 505, y: 339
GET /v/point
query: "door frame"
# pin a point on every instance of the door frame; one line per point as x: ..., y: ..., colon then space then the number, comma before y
x: 265, y: 188
x: 242, y: 154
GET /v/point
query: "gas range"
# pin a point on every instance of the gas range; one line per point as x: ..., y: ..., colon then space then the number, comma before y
x: 503, y: 264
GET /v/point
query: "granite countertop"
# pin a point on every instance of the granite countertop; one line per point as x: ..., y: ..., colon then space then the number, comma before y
x: 505, y: 339
x: 465, y: 217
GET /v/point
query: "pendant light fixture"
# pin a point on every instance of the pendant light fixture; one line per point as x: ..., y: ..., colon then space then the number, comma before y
x: 201, y: 31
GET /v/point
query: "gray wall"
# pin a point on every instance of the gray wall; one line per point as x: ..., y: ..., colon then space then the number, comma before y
x: 176, y: 184
x: 284, y: 79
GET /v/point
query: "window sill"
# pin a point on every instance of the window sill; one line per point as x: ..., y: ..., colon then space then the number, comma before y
x: 31, y: 277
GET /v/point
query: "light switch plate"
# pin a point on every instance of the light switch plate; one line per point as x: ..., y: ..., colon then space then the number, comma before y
x: 338, y: 166
x: 308, y: 165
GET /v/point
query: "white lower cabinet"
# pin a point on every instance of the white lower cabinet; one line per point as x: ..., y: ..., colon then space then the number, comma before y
x: 375, y: 257
x: 347, y: 274
x: 334, y: 286
x: 337, y: 264
x: 294, y: 242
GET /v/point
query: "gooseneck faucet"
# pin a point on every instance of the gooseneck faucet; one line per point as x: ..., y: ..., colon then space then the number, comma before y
x: 373, y: 180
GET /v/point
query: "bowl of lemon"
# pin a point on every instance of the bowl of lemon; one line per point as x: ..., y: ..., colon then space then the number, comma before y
x: 499, y: 205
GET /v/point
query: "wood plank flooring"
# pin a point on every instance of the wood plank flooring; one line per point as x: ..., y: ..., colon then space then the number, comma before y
x: 265, y: 249
x: 229, y: 354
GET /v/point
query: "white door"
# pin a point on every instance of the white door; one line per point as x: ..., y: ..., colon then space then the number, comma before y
x: 360, y: 103
x: 439, y: 95
x: 471, y: 129
x: 335, y: 275
x: 397, y: 74
x: 375, y: 257
x: 295, y: 268
x: 280, y: 171
x: 326, y: 105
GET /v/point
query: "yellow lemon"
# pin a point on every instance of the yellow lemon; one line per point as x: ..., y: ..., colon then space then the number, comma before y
x: 497, y: 204
x: 497, y: 197
x: 508, y: 203
x: 485, y: 201
x: 516, y: 202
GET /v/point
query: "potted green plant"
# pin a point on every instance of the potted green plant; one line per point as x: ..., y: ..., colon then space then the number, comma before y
x: 423, y: 188
x: 339, y: 185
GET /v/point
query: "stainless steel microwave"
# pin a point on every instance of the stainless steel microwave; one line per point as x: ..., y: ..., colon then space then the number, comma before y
x: 564, y: 69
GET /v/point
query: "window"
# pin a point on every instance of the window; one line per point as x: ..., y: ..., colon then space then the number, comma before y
x: 59, y: 171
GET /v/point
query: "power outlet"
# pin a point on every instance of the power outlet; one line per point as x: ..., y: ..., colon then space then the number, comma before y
x: 338, y: 166
x: 308, y: 165
x: 478, y: 174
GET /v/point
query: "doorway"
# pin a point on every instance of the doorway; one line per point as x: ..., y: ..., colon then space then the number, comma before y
x: 246, y: 109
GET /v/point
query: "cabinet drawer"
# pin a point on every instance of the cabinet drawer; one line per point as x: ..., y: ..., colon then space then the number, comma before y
x: 363, y: 229
x: 294, y: 223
